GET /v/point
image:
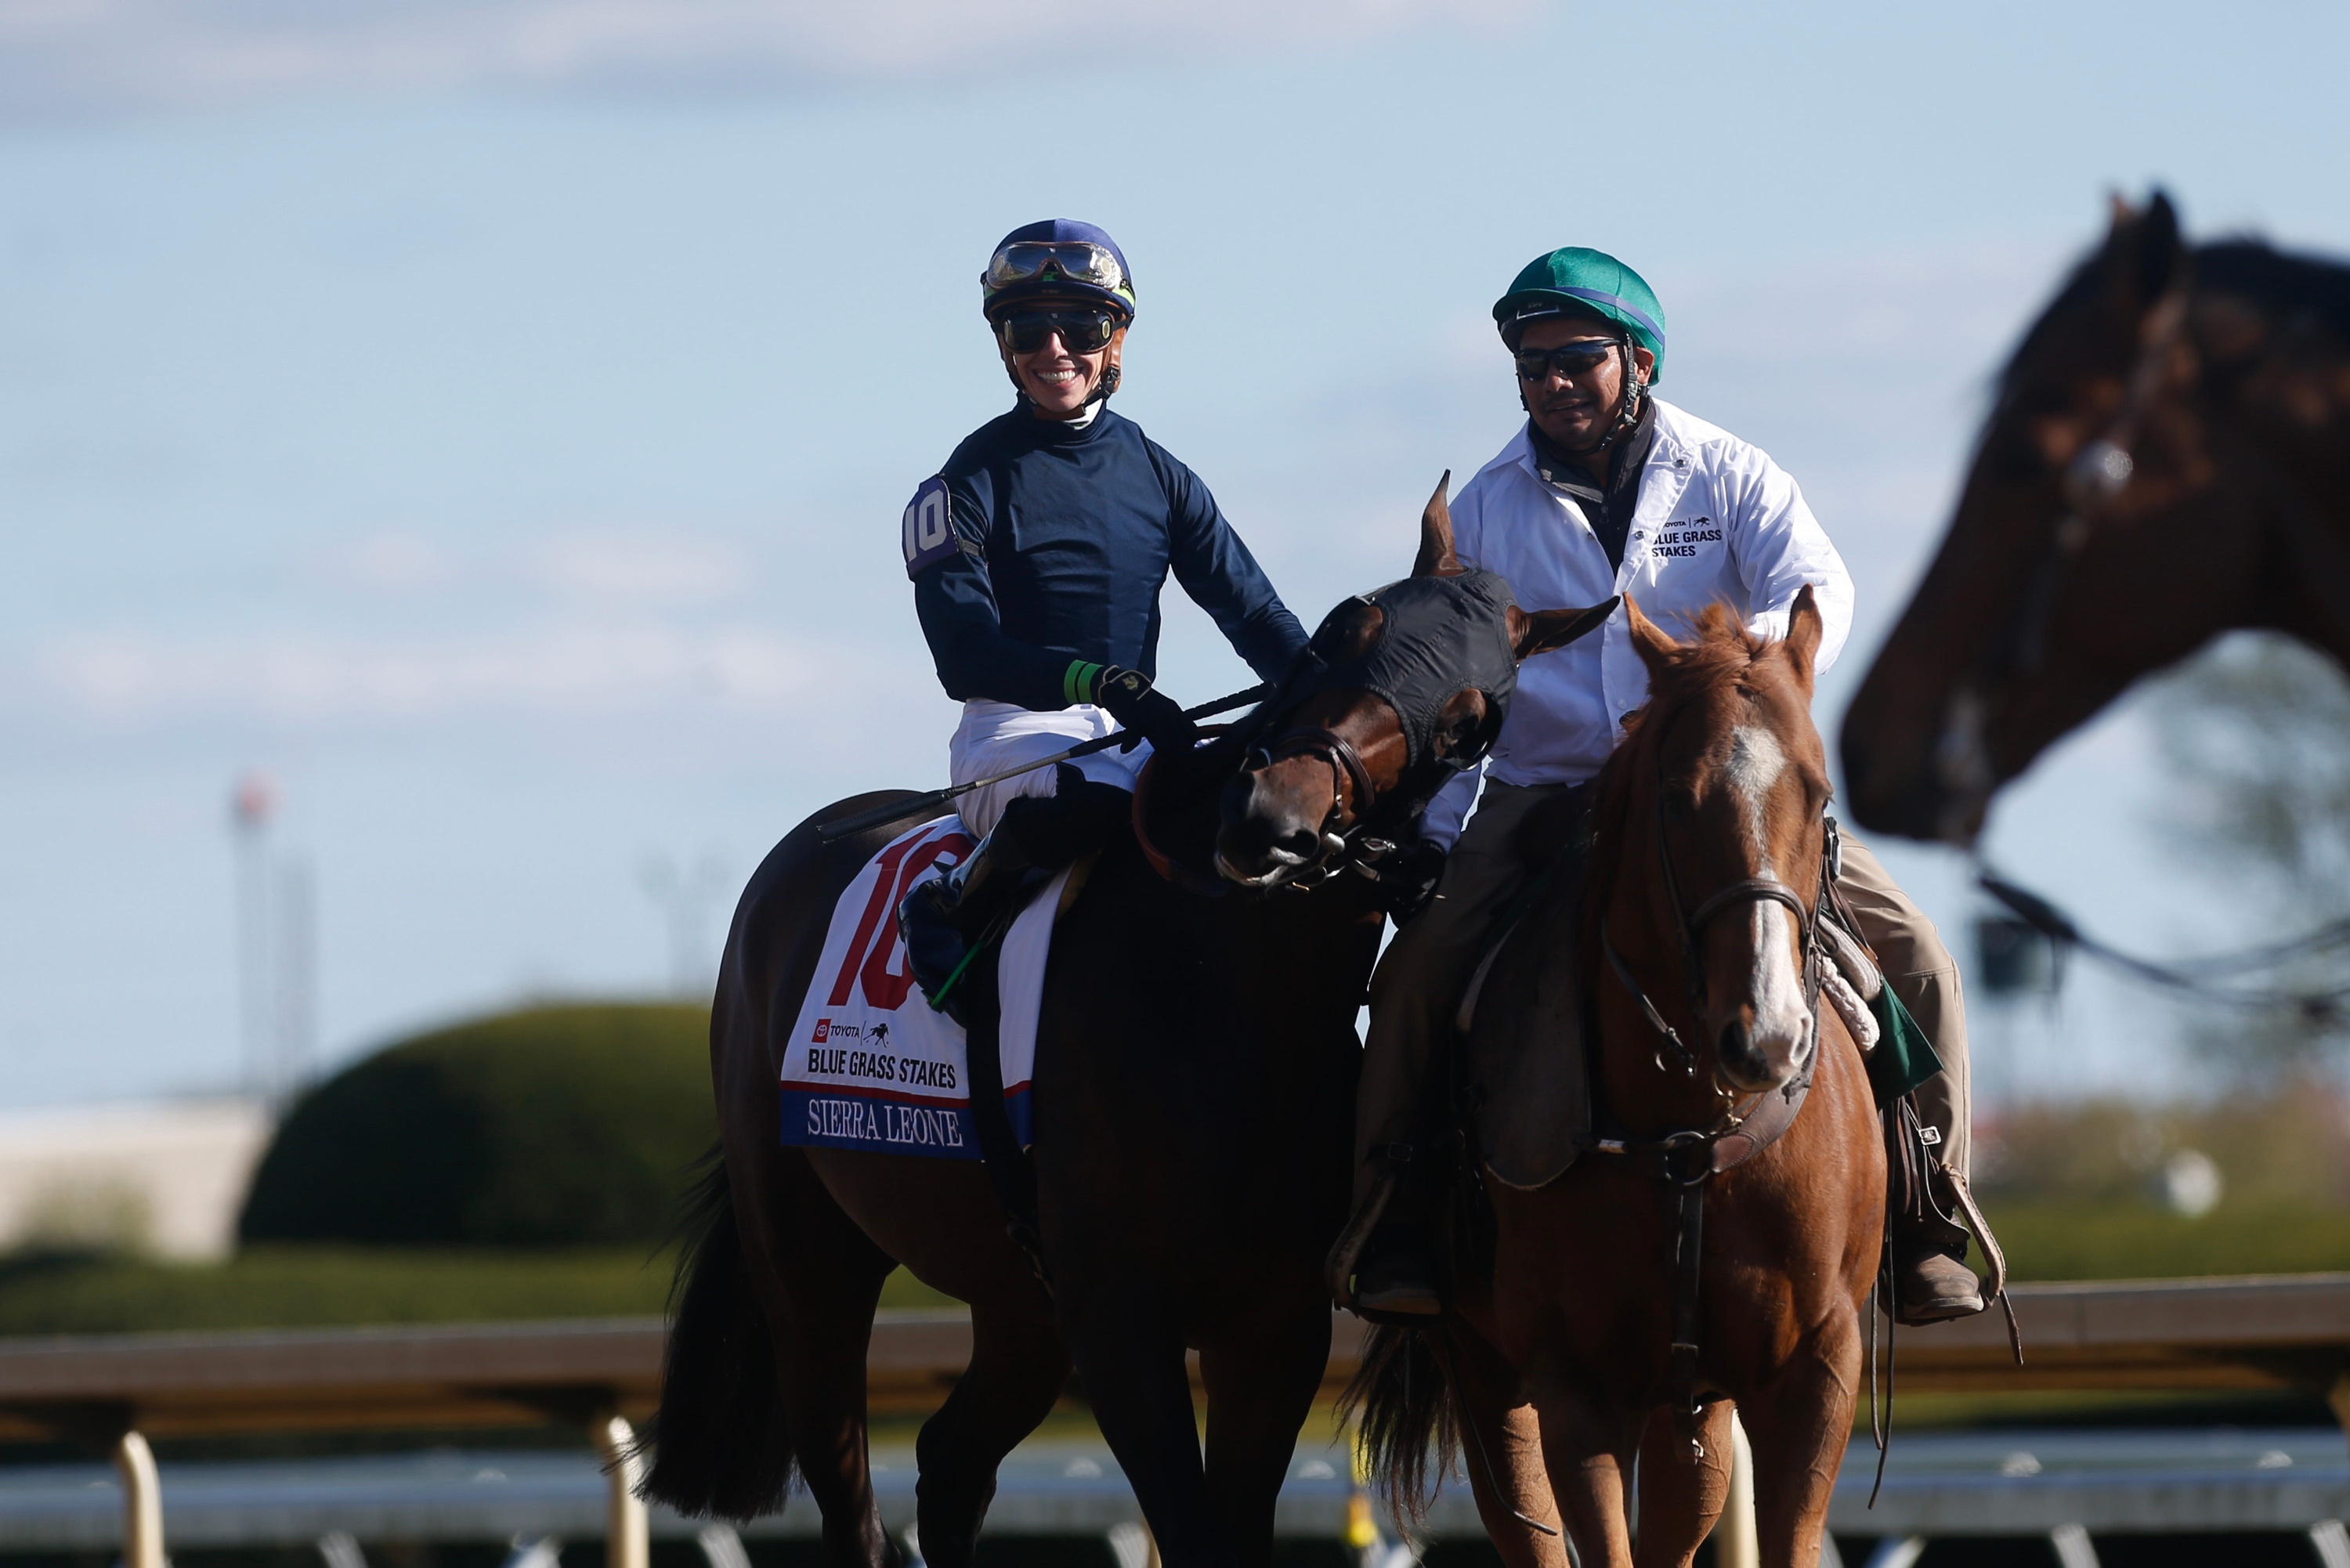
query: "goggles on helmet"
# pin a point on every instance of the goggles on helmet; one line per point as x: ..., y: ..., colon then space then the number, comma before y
x: 1083, y: 329
x: 1025, y: 261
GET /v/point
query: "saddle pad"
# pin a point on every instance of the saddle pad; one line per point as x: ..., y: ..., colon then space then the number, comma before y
x: 870, y: 1066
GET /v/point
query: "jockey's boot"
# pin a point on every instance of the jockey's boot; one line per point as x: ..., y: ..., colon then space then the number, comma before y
x: 944, y: 920
x: 1931, y: 1282
x: 1396, y: 1272
x: 1931, y: 1286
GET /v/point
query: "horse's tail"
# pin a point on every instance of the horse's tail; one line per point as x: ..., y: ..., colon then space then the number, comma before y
x: 1405, y: 1417
x: 720, y: 1445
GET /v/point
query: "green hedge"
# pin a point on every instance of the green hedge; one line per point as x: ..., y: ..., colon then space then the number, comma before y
x: 570, y: 1126
x: 334, y: 1287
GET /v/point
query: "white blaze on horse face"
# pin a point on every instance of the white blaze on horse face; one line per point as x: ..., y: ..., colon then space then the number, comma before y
x: 1755, y: 763
x: 1782, y: 1022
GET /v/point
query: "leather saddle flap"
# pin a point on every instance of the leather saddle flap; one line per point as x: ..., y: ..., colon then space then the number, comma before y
x: 1528, y: 1083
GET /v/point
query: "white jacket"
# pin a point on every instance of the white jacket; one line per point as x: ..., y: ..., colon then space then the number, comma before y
x: 1717, y: 520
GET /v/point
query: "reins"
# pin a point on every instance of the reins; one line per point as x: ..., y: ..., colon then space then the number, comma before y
x: 2199, y: 978
x: 2098, y: 473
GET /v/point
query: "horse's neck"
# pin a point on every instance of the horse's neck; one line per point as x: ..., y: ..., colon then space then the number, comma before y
x: 1638, y: 921
x: 2300, y: 477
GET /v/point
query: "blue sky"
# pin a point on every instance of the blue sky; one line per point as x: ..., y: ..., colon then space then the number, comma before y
x: 492, y: 417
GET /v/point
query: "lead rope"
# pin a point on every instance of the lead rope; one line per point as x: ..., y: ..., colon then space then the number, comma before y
x: 1883, y: 1436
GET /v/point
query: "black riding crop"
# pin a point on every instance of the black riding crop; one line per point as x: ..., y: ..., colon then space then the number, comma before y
x: 931, y: 801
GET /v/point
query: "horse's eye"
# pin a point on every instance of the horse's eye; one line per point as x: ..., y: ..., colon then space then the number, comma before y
x: 1679, y: 804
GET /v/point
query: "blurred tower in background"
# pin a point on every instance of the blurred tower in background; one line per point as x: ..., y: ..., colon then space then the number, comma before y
x: 685, y: 897
x: 276, y: 948
x: 252, y: 802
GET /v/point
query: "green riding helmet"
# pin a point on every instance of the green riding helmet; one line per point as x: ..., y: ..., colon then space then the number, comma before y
x: 1577, y: 281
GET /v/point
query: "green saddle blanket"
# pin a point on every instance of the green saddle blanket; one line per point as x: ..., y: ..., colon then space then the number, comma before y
x: 1904, y: 1057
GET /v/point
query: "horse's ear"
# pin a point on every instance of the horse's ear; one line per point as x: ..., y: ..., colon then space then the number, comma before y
x: 1654, y: 645
x: 1802, y: 639
x: 2145, y: 256
x: 1436, y: 558
x: 1542, y: 631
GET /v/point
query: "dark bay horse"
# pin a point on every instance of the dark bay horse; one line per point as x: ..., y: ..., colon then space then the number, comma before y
x: 2168, y: 458
x: 1193, y: 1108
x: 1706, y: 865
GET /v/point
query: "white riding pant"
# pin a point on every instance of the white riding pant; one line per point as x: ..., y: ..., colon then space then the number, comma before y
x: 994, y: 736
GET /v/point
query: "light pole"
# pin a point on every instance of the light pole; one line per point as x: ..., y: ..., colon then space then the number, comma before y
x: 252, y: 803
x: 684, y: 897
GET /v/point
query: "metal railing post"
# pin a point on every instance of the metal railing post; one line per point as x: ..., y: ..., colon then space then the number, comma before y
x: 1737, y: 1543
x: 143, y: 1502
x: 626, y: 1541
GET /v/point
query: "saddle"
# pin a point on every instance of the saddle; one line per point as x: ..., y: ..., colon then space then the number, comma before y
x: 1522, y: 1077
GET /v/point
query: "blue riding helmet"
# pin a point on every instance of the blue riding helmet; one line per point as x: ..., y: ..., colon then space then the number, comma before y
x: 1060, y: 258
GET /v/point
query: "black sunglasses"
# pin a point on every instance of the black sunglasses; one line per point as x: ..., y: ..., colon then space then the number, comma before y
x: 1082, y: 331
x: 1567, y: 362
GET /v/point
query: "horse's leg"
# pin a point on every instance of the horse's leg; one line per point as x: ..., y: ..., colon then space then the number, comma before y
x: 1799, y: 1425
x: 1500, y: 1437
x: 1258, y: 1397
x: 1588, y: 1452
x: 1132, y: 1366
x: 1680, y: 1497
x: 819, y: 1279
x: 1017, y: 1370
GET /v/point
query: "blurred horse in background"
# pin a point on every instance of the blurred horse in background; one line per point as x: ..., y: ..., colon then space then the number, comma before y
x: 2168, y: 458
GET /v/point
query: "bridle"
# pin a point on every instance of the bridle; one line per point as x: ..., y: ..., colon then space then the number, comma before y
x: 1689, y: 927
x: 2092, y: 480
x: 1335, y: 847
x: 1685, y: 1160
x: 1378, y: 822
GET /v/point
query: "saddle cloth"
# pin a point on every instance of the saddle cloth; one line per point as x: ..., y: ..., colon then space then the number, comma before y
x: 871, y: 1066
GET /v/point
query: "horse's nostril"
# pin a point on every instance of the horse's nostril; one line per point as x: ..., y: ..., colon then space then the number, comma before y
x: 1737, y: 1048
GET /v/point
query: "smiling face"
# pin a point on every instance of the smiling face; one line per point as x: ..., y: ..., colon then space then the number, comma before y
x: 1576, y: 411
x: 1058, y: 381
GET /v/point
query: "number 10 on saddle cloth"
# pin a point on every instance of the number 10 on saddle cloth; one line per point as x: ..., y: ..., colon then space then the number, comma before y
x: 871, y: 1066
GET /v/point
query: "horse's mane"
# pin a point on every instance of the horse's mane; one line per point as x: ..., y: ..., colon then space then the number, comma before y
x: 2278, y: 280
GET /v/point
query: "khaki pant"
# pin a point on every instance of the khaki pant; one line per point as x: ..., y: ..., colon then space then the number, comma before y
x: 1417, y: 987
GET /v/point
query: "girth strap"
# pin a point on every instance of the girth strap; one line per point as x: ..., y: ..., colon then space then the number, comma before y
x: 1689, y: 1196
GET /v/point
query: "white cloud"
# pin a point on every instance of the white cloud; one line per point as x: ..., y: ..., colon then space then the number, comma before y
x: 394, y: 561
x: 666, y: 568
x: 69, y: 55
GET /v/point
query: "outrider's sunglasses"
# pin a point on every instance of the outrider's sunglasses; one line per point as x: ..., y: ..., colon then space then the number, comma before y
x: 1082, y: 331
x: 1566, y: 362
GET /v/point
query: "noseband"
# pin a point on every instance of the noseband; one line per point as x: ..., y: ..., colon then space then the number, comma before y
x: 1335, y: 847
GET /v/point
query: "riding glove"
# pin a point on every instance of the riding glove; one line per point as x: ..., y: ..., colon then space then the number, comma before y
x: 1146, y: 712
x: 1408, y: 878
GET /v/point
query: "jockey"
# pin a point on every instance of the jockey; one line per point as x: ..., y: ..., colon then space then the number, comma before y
x: 1036, y: 555
x: 1610, y: 489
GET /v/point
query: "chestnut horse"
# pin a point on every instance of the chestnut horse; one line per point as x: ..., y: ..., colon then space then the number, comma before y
x: 1192, y: 1117
x: 2168, y: 458
x: 1707, y: 860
